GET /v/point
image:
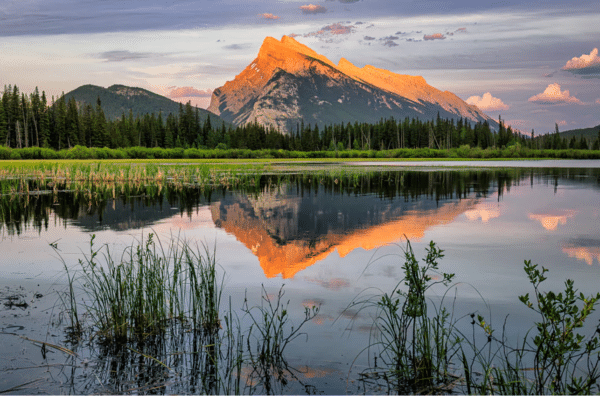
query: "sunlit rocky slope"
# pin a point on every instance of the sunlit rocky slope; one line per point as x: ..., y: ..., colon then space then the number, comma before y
x: 288, y: 83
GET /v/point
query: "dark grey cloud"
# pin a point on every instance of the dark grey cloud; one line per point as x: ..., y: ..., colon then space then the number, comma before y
x: 35, y: 17
x: 388, y: 38
x: 368, y: 38
x: 120, y: 56
x: 238, y: 46
x: 583, y: 242
x: 588, y: 71
x: 329, y: 31
x: 390, y: 44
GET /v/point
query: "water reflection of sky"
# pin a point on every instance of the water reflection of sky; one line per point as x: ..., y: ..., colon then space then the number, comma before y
x: 329, y: 248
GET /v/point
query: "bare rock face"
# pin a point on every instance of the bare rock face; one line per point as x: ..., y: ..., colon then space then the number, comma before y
x: 288, y: 83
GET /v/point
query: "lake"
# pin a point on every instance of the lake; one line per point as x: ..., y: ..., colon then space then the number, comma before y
x: 328, y: 239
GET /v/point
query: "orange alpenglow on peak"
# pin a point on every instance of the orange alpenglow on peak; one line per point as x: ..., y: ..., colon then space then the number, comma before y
x: 288, y: 82
x: 288, y: 45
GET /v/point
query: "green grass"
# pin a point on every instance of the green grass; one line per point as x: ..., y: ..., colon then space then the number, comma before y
x: 211, y: 155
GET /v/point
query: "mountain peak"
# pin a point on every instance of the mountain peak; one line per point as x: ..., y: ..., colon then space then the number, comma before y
x: 288, y: 82
x: 288, y: 47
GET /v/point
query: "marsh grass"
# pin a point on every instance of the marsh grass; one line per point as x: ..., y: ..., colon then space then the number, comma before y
x: 152, y: 285
x: 155, y: 319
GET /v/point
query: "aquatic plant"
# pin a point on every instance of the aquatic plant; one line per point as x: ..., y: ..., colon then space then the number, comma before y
x: 415, y: 346
x: 268, y: 336
x: 555, y: 357
x: 156, y: 317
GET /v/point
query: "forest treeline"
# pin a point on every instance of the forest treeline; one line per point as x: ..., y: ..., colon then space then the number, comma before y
x: 31, y: 121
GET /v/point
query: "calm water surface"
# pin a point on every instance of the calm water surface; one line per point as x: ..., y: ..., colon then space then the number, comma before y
x: 326, y: 239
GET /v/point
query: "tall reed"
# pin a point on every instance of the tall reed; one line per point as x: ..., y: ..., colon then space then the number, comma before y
x: 415, y: 345
x: 157, y: 310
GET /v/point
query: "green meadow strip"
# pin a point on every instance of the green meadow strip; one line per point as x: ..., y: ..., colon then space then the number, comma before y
x: 147, y: 153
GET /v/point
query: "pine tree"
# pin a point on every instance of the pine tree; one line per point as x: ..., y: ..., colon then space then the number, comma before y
x: 87, y: 126
x: 60, y: 124
x: 15, y: 118
x: 35, y: 115
x: 100, y: 136
x: 44, y: 122
x: 3, y: 130
x: 72, y: 127
x: 583, y: 144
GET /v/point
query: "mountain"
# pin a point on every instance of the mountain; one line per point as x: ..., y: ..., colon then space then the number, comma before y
x: 589, y: 133
x: 117, y: 100
x: 289, y: 82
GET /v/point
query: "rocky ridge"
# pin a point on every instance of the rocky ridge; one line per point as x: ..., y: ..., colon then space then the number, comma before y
x: 289, y: 83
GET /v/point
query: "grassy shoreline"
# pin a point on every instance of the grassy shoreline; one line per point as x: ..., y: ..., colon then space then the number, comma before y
x: 216, y: 155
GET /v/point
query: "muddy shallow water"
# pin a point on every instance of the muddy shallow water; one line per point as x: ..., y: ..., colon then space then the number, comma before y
x: 327, y: 239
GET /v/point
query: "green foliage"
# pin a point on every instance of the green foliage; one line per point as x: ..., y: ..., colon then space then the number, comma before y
x: 558, y: 346
x: 415, y: 345
x: 555, y: 357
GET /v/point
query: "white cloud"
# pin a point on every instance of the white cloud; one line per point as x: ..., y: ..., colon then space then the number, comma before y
x: 561, y: 122
x: 487, y: 102
x: 553, y: 95
x: 585, y: 64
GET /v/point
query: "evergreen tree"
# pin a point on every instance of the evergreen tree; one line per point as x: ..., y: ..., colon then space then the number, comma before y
x: 583, y: 144
x: 88, y: 128
x: 206, y: 130
x: 36, y: 112
x: 16, y: 118
x: 72, y: 128
x: 3, y: 130
x: 100, y: 136
x: 60, y: 122
x: 44, y: 122
x: 160, y: 131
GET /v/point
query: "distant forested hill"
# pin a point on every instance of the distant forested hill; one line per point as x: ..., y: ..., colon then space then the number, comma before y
x: 120, y: 99
x: 588, y: 133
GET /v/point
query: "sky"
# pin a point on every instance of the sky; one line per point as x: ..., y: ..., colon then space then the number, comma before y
x: 535, y: 64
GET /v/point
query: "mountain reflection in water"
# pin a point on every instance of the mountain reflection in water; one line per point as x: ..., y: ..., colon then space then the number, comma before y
x: 293, y: 221
x: 290, y: 231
